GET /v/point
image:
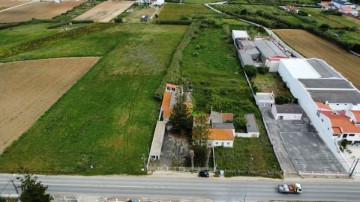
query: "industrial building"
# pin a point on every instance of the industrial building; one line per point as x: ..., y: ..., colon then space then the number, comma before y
x: 330, y: 101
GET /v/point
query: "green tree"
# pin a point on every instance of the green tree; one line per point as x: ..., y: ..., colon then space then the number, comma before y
x: 200, y: 130
x: 181, y: 118
x: 250, y: 71
x: 33, y: 191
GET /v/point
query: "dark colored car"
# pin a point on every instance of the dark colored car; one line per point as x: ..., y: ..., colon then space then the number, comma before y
x: 204, y: 173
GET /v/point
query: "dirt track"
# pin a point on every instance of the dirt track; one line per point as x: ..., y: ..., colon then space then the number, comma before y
x: 105, y: 11
x: 36, y: 10
x: 312, y: 46
x: 29, y: 88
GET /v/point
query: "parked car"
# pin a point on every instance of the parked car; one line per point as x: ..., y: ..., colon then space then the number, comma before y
x: 204, y: 173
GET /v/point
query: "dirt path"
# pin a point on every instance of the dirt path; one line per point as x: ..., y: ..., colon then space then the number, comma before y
x: 29, y: 88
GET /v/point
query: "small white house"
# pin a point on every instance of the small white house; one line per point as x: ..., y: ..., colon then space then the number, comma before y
x: 287, y: 112
x: 240, y: 34
x: 221, y: 137
x: 159, y: 2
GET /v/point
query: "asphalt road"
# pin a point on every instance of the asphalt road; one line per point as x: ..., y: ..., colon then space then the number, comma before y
x: 176, y: 188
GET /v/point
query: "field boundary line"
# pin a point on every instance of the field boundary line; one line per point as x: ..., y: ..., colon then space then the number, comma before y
x: 6, y: 9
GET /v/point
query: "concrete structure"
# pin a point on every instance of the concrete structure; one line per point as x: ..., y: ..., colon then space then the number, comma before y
x: 319, y: 87
x: 258, y: 52
x: 287, y: 112
x: 348, y: 11
x: 157, y: 142
x: 265, y: 99
x: 270, y: 54
x: 289, y: 8
x: 240, y: 34
x: 221, y: 137
x: 251, y: 126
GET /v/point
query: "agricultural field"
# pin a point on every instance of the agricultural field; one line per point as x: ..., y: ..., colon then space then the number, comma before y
x: 4, y: 4
x: 211, y: 64
x: 310, y: 46
x: 104, y: 123
x: 29, y: 88
x: 36, y: 10
x: 106, y: 11
x: 171, y: 11
x: 138, y: 12
x: 340, y: 28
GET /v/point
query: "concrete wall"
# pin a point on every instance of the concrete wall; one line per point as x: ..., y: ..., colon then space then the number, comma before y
x: 219, y: 143
x: 273, y: 65
x: 247, y: 135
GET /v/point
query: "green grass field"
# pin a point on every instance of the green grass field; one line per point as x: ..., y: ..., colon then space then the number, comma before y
x: 211, y: 64
x: 172, y: 11
x: 106, y: 120
x: 271, y: 82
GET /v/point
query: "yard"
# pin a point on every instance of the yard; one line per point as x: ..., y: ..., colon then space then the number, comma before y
x: 271, y: 82
x: 311, y: 46
x: 211, y: 64
x: 104, y: 123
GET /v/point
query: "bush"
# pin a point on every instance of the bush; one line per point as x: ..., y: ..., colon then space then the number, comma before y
x: 250, y: 71
x: 324, y: 27
x: 195, y: 54
x: 240, y: 123
x: 262, y: 70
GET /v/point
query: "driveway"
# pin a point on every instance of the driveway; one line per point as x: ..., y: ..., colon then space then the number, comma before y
x: 300, y: 145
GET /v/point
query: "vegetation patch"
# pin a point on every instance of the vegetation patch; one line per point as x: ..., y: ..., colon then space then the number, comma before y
x: 184, y: 12
x: 104, y: 123
x: 219, y: 83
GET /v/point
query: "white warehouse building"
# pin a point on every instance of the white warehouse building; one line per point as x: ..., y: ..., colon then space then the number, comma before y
x: 324, y: 93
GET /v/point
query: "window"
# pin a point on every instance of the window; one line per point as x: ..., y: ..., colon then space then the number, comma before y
x: 344, y: 135
x: 351, y: 135
x: 216, y: 143
x: 322, y: 120
x: 228, y: 143
x: 337, y: 104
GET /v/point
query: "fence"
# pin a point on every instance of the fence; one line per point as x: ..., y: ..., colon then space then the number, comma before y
x: 323, y: 174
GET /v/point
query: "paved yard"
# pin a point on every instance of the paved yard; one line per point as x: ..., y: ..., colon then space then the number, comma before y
x: 174, y: 151
x: 299, y: 147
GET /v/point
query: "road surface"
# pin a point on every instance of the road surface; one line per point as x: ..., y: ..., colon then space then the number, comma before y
x: 193, y: 187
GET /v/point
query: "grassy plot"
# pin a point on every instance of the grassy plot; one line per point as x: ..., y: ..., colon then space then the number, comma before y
x: 271, y: 82
x: 211, y: 64
x: 172, y: 11
x: 104, y: 123
x: 16, y: 35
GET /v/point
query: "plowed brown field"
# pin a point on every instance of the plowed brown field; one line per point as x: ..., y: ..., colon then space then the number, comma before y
x: 29, y: 88
x: 38, y: 10
x: 312, y: 46
x: 10, y: 3
x: 105, y: 11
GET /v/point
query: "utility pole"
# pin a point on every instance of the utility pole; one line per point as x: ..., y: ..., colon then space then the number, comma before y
x: 214, y: 158
x: 354, y: 167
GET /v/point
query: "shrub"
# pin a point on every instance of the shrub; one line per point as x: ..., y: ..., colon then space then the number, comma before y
x: 250, y: 71
x: 262, y: 70
x: 324, y: 27
x: 240, y: 123
x: 195, y: 54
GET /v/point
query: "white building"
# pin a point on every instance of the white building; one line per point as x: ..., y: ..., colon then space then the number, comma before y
x: 264, y: 99
x: 240, y: 34
x: 340, y: 3
x: 318, y: 86
x: 287, y: 112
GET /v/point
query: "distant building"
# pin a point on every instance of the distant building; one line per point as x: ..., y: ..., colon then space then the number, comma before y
x: 265, y: 99
x: 289, y: 8
x: 340, y: 3
x: 240, y: 35
x: 221, y: 137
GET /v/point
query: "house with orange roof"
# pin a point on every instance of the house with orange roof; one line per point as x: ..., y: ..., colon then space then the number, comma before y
x: 344, y: 125
x: 221, y: 137
x: 290, y: 8
x: 348, y: 10
x: 168, y: 102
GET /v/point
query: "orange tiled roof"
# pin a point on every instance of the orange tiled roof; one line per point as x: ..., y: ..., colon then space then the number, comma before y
x: 166, y: 100
x: 221, y: 134
x: 347, y: 9
x: 325, y: 3
x: 341, y: 121
x: 336, y: 130
x: 227, y: 116
x: 322, y: 106
x: 356, y: 114
x: 171, y: 85
x: 167, y: 112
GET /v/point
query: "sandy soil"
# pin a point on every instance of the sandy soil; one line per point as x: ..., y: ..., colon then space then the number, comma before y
x: 10, y: 3
x: 36, y: 10
x: 29, y: 88
x: 105, y: 11
x: 312, y: 46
